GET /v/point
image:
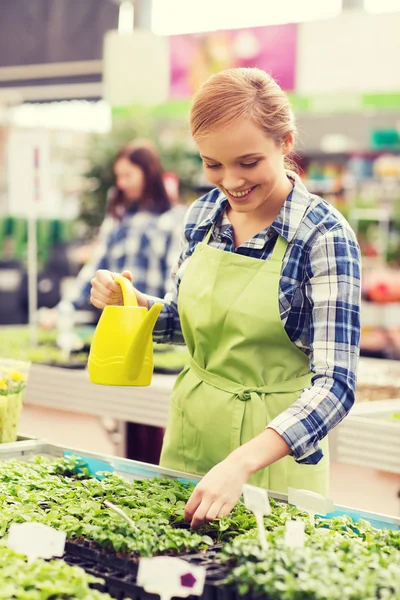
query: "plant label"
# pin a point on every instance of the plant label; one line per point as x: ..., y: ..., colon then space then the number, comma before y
x: 295, y: 534
x: 256, y: 499
x: 121, y: 513
x: 36, y: 540
x: 311, y: 502
x: 170, y: 577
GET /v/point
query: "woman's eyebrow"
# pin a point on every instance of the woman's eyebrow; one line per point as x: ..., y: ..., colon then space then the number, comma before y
x: 238, y: 158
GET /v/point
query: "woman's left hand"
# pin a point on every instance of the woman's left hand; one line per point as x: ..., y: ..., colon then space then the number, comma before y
x: 219, y: 490
x: 217, y: 493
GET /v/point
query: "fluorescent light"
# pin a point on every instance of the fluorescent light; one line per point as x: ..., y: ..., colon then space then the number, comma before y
x: 171, y: 17
x: 72, y: 115
x: 382, y: 6
x: 126, y: 17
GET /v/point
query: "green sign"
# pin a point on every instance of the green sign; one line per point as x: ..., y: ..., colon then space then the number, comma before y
x: 312, y: 104
x: 344, y: 103
x: 385, y: 138
x: 175, y: 109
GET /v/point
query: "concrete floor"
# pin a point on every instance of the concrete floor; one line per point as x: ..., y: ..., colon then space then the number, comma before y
x: 351, y: 486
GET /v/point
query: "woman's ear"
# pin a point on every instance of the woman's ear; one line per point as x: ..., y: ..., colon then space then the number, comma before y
x: 288, y: 144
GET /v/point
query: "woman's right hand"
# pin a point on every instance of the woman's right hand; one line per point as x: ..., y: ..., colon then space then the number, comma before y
x: 105, y: 292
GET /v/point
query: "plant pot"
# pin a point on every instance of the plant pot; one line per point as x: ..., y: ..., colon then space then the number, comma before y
x: 10, y: 411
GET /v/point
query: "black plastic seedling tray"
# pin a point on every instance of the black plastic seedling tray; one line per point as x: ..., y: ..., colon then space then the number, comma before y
x: 119, y: 573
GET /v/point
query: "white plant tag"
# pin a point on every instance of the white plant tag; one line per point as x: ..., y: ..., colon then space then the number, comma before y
x: 295, y: 534
x: 36, y: 540
x: 256, y: 499
x: 310, y: 502
x: 170, y: 577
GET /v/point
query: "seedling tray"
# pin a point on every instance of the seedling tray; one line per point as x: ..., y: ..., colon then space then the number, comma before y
x: 119, y: 571
x: 120, y: 581
x: 87, y: 550
x: 131, y: 470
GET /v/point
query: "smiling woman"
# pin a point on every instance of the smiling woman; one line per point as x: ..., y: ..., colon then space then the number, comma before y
x: 242, y: 144
x: 266, y: 296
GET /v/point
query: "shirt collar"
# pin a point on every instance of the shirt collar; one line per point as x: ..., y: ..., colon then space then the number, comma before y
x: 215, y: 216
x: 287, y: 221
x: 293, y: 209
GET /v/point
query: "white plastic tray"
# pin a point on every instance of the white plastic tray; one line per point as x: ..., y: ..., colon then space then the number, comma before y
x: 368, y: 438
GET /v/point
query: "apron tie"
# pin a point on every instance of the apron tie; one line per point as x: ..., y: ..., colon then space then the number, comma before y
x: 244, y: 393
x: 253, y: 399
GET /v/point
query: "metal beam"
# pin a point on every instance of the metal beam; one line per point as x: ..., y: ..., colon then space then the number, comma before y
x: 143, y: 10
x: 352, y: 5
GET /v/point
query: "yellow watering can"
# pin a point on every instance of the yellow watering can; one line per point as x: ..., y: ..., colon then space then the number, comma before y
x: 121, y: 352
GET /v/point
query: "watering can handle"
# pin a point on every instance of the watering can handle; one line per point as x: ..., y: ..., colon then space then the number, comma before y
x: 128, y: 292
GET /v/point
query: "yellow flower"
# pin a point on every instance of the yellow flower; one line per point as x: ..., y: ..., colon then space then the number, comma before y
x: 17, y: 376
x: 3, y: 385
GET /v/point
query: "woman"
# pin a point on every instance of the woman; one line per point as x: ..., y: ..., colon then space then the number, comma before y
x: 267, y: 299
x: 138, y: 234
x: 127, y: 233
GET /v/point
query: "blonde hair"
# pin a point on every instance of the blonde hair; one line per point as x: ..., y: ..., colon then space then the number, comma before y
x: 242, y: 93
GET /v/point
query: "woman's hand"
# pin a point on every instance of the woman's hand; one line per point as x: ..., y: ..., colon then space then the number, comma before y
x: 217, y: 493
x: 105, y: 292
x: 220, y: 489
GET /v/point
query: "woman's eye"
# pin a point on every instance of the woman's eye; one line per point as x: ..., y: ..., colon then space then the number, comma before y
x: 250, y: 165
x: 211, y: 166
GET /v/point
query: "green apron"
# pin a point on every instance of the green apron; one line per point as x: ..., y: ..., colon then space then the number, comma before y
x: 244, y: 370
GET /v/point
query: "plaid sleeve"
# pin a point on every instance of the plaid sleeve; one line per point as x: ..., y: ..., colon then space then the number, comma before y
x: 333, y: 290
x: 168, y: 327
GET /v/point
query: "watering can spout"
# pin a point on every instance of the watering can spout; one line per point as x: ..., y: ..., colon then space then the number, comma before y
x: 143, y: 336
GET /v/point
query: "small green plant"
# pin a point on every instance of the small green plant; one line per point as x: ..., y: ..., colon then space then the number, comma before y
x: 342, y: 560
x: 51, y: 492
x: 44, y: 580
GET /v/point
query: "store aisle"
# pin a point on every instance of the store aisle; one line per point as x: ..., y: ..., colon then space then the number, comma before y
x: 66, y: 429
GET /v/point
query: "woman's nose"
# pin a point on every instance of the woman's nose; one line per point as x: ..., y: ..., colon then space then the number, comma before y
x: 232, y: 183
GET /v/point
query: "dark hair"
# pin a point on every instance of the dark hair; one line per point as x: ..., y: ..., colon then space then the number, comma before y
x: 154, y: 197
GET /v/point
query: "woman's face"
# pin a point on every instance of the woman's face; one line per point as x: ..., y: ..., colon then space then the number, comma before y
x: 245, y: 164
x: 129, y: 179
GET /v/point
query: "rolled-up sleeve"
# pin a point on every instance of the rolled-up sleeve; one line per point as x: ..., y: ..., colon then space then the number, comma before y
x: 333, y: 294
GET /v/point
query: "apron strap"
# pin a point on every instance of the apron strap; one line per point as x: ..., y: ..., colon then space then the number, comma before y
x: 279, y: 249
x: 207, y: 237
x: 244, y: 392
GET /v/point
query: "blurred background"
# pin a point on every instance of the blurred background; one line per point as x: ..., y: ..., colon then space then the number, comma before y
x: 82, y: 79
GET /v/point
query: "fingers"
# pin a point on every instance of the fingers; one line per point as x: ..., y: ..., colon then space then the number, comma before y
x: 192, y: 505
x: 208, y: 511
x: 104, y: 290
x: 213, y: 511
x: 200, y: 515
x: 225, y: 510
x: 205, y: 507
x: 127, y: 274
x: 99, y: 300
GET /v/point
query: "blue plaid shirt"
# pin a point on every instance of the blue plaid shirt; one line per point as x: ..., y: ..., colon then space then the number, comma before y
x: 319, y: 299
x: 142, y: 242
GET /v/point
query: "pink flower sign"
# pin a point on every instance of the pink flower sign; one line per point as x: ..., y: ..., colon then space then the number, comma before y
x: 196, y: 56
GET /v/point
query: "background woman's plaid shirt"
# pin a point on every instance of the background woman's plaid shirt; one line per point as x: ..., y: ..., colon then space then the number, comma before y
x: 144, y: 243
x: 319, y: 303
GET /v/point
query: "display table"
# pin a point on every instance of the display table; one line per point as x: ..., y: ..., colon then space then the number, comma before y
x: 71, y: 390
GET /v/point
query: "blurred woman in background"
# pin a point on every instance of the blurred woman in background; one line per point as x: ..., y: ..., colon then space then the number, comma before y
x: 140, y: 234
x: 128, y: 238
